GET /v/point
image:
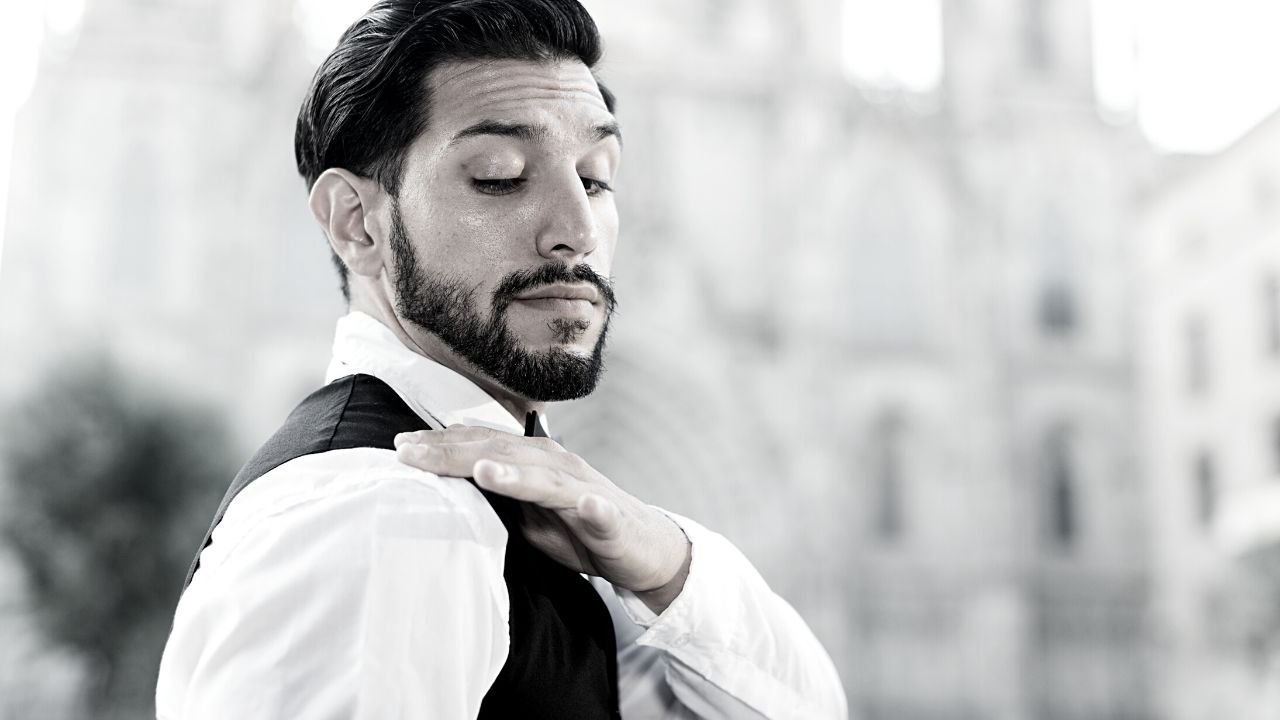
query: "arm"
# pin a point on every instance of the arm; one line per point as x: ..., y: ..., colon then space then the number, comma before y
x: 727, y: 647
x: 374, y: 593
x: 727, y: 643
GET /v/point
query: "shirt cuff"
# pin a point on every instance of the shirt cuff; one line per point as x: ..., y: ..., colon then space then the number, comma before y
x: 727, y: 627
x: 708, y: 615
x: 677, y: 614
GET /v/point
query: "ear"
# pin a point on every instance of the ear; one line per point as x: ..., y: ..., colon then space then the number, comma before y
x: 345, y: 206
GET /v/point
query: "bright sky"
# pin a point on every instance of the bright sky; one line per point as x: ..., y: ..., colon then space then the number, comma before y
x: 1206, y: 69
x: 893, y: 44
x: 1196, y: 74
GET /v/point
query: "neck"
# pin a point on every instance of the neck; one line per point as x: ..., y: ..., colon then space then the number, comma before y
x: 430, y: 347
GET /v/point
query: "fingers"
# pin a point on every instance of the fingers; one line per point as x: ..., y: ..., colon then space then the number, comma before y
x: 599, y: 516
x: 532, y: 470
x: 469, y: 433
x: 454, y: 459
x: 555, y: 490
x: 599, y: 521
x: 454, y: 453
x: 547, y: 487
x: 453, y: 433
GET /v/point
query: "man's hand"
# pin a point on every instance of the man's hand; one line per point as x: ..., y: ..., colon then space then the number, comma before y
x: 571, y: 512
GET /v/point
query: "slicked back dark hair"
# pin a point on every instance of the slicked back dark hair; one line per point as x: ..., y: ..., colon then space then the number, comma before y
x: 369, y: 99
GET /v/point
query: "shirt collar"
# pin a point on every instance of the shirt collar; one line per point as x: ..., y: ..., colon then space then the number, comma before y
x: 440, y: 396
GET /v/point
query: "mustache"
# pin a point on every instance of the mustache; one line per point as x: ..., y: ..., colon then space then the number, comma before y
x: 524, y: 280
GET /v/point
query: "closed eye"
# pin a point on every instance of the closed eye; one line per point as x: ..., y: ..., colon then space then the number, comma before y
x: 500, y: 186
x: 596, y: 187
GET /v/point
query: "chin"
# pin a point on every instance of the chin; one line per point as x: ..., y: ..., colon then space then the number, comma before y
x: 582, y: 351
x: 574, y: 338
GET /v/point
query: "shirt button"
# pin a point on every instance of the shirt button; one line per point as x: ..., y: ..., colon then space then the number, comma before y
x: 680, y: 641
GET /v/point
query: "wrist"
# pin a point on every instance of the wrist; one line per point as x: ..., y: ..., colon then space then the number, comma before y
x: 660, y: 598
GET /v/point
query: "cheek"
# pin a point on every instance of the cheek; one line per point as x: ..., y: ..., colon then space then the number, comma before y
x: 607, y: 215
x: 607, y: 227
x: 476, y: 234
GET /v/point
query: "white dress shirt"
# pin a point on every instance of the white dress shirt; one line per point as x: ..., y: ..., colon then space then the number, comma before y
x: 319, y: 596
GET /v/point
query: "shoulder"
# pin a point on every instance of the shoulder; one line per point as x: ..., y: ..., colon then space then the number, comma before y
x: 361, y: 495
x: 374, y: 578
x: 350, y: 412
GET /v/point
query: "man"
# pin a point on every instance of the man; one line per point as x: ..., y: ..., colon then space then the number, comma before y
x: 410, y: 544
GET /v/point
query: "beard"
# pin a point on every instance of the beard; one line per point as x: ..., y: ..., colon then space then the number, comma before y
x: 446, y: 307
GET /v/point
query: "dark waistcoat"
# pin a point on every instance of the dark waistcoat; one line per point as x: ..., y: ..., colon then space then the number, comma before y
x: 563, y: 658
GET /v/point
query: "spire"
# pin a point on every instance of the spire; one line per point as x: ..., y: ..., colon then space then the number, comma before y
x: 1013, y: 51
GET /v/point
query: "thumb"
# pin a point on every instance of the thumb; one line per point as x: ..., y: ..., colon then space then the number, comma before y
x: 599, y: 516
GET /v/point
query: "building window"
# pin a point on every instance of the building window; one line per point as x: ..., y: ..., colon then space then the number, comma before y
x: 1197, y: 354
x: 887, y: 444
x: 1060, y: 485
x: 1036, y: 34
x: 1057, y: 308
x: 1271, y: 313
x: 1275, y: 446
x: 1206, y: 489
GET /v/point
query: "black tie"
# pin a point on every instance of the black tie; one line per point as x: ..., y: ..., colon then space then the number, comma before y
x: 532, y: 427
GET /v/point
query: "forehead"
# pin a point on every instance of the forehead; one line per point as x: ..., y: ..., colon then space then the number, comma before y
x: 560, y: 94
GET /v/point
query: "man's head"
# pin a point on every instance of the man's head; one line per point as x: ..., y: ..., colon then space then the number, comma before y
x: 460, y: 156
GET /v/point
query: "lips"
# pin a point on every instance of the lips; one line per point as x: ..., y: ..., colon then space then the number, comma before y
x: 562, y: 291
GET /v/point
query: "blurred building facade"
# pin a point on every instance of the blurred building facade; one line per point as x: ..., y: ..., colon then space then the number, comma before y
x: 156, y: 214
x: 155, y: 218
x: 1210, y: 369
x: 882, y: 340
x: 922, y: 305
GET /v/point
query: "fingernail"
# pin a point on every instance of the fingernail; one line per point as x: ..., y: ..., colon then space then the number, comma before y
x: 400, y: 439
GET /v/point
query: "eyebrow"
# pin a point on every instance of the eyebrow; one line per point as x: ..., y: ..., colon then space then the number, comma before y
x: 530, y: 133
x: 610, y: 129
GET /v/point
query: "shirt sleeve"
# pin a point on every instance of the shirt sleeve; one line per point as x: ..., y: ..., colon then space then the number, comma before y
x: 727, y: 647
x: 374, y: 592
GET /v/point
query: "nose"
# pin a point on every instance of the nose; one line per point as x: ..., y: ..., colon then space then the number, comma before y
x: 569, y: 230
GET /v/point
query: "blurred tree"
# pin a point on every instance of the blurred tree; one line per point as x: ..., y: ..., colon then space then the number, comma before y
x: 111, y: 487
